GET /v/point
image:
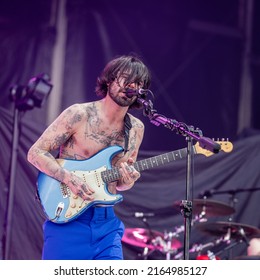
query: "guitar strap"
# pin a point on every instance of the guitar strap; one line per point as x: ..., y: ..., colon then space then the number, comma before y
x: 128, y: 126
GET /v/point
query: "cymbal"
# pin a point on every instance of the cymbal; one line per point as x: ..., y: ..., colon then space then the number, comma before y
x: 209, y: 208
x: 224, y: 228
x: 150, y: 239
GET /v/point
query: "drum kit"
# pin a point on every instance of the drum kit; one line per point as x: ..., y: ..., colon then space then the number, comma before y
x: 227, y: 234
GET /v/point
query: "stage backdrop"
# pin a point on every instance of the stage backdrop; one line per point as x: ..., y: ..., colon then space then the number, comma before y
x: 195, y: 51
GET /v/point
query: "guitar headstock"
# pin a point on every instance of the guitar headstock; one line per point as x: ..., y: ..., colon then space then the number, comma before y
x: 226, y: 147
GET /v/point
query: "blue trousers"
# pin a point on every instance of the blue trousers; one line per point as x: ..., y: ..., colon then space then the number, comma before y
x: 95, y: 235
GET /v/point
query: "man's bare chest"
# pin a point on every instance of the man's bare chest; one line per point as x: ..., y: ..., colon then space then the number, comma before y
x: 87, y: 142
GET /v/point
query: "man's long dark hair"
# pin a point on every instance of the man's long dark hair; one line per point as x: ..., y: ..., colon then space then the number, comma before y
x: 136, y: 70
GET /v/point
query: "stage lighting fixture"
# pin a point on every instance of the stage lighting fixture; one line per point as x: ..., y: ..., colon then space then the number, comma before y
x: 34, y: 94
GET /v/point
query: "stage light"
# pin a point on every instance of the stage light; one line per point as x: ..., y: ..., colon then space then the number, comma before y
x: 34, y: 94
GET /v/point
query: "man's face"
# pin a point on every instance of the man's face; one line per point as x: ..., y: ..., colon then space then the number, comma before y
x: 117, y: 91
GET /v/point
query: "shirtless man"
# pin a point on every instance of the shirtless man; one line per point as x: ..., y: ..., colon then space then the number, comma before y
x: 79, y: 132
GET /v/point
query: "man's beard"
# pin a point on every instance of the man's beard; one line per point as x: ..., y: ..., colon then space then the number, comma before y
x: 121, y: 101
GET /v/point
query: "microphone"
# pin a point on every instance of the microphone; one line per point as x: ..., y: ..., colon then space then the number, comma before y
x: 129, y: 92
x: 143, y: 215
x: 208, y: 144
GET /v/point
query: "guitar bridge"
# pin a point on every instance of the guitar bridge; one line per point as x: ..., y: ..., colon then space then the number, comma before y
x: 65, y: 190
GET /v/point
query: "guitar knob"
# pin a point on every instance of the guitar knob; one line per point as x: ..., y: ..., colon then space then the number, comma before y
x: 68, y: 214
x: 73, y: 205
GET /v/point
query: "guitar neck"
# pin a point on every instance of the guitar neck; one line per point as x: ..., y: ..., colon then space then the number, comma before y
x: 113, y: 174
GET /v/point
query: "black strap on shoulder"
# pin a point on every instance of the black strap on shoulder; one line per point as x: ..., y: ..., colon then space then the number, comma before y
x: 128, y: 126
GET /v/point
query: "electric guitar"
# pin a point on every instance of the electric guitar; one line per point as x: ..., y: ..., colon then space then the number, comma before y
x: 61, y: 205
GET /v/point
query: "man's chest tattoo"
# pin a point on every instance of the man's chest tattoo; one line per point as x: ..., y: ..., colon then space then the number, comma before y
x: 106, y: 139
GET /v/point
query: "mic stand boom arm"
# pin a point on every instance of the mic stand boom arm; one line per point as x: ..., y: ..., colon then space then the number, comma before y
x: 190, y: 134
x: 182, y: 128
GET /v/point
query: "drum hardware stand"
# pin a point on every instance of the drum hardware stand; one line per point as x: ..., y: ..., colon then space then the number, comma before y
x: 189, y: 133
x: 201, y: 218
x: 227, y: 239
x: 151, y: 235
x: 145, y: 254
x: 229, y: 247
x: 168, y: 244
x: 201, y: 247
x: 233, y: 202
x: 198, y: 218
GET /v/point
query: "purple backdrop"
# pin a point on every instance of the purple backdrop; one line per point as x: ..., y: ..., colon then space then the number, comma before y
x: 194, y: 50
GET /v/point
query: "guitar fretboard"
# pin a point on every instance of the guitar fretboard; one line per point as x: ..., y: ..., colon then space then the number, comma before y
x: 113, y: 174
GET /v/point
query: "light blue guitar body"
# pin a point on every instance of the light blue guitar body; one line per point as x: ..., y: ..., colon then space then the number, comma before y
x: 60, y: 204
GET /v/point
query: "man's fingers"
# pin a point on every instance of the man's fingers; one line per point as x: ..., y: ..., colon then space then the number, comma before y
x: 87, y: 190
x: 129, y: 173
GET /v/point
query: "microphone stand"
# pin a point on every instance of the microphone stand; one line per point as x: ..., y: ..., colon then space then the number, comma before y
x: 189, y: 133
